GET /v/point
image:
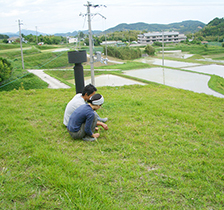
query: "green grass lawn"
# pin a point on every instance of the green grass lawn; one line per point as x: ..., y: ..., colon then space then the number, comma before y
x: 163, y: 150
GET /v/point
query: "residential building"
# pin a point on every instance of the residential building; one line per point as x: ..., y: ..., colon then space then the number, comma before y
x: 12, y: 39
x: 169, y: 37
x: 72, y: 40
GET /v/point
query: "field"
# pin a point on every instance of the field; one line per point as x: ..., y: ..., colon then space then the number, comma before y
x: 163, y: 150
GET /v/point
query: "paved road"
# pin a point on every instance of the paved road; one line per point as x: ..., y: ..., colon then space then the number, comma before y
x: 53, y: 83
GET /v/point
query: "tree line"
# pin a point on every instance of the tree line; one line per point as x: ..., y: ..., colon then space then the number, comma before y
x: 213, y: 31
x: 47, y: 39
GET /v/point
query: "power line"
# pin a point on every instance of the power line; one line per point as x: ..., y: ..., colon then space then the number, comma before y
x: 167, y: 5
x: 89, y: 15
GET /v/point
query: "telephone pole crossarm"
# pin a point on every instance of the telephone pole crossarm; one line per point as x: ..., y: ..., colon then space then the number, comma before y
x: 88, y: 5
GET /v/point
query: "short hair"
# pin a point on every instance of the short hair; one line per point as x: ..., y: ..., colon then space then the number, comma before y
x: 89, y: 89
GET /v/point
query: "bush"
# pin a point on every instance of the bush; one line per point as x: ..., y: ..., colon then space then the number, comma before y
x: 5, y: 69
x: 149, y: 50
x: 159, y: 44
x: 223, y: 44
x: 124, y: 53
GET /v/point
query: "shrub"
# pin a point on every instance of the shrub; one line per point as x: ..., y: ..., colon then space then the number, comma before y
x: 149, y: 50
x: 159, y: 44
x: 124, y: 53
x: 5, y: 69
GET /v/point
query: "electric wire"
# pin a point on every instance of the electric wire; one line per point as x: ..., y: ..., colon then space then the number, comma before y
x: 31, y: 73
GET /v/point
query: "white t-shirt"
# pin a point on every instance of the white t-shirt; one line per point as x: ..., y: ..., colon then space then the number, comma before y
x: 71, y: 106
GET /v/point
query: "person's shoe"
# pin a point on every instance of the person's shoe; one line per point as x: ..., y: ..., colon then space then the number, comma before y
x: 104, y: 119
x: 88, y: 138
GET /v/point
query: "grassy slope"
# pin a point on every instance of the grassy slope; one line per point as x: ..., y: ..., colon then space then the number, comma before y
x: 163, y: 149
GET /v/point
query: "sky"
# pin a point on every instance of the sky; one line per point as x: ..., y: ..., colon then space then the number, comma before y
x: 57, y: 16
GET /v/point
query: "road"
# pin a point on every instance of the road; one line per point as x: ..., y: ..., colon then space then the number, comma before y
x: 53, y: 83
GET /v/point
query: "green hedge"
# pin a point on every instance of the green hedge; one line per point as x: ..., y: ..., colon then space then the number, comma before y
x: 124, y: 53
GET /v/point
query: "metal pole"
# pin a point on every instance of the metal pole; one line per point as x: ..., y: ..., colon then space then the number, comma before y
x: 163, y: 57
x: 21, y: 44
x: 36, y: 35
x: 163, y: 48
x: 90, y: 45
x: 106, y: 43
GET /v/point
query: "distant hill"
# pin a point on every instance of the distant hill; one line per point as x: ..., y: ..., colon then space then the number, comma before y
x: 213, y: 28
x: 28, y: 32
x: 189, y: 26
x: 185, y: 27
x: 25, y: 32
x: 75, y: 33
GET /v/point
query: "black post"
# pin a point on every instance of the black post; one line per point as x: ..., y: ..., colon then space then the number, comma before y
x: 79, y: 77
x: 78, y: 57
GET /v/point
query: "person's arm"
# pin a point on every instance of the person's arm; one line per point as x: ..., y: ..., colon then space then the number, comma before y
x: 102, y: 124
x: 88, y: 124
x: 96, y: 135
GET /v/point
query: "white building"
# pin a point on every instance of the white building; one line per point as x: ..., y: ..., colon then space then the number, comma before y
x: 169, y: 37
x: 110, y: 42
x: 72, y: 40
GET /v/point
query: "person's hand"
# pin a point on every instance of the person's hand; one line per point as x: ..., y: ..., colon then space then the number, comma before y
x: 105, y: 126
x: 96, y: 135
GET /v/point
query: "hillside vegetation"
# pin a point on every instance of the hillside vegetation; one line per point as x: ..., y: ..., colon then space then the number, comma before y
x: 213, y: 31
x: 185, y: 27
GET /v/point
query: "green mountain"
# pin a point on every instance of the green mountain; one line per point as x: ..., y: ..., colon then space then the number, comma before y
x: 213, y: 28
x: 185, y: 27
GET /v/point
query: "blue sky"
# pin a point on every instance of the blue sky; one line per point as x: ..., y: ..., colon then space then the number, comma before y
x: 52, y: 16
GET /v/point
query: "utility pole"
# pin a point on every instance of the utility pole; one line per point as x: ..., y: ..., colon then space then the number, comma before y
x: 90, y: 44
x: 88, y: 5
x: 36, y: 35
x: 106, y: 44
x: 21, y: 43
x: 163, y: 48
x: 163, y: 57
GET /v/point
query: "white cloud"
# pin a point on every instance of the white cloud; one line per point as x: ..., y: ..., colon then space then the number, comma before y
x: 12, y: 13
x: 53, y: 16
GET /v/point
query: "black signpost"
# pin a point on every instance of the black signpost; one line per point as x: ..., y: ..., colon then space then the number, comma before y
x: 78, y: 57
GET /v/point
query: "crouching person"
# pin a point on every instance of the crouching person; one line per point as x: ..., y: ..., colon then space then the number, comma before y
x: 83, y: 121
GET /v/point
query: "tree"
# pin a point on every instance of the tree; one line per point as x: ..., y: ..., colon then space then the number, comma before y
x: 97, y: 41
x: 2, y: 36
x: 5, y: 69
x: 149, y: 50
x: 30, y: 38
